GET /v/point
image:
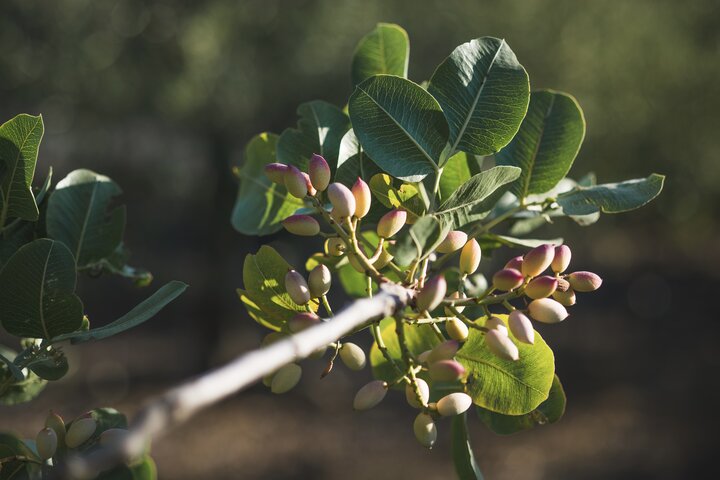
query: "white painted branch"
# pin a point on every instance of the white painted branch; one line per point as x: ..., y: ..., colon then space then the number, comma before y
x: 180, y: 403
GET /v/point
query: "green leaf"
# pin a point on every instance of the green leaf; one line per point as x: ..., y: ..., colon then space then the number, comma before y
x: 37, y: 288
x: 264, y: 281
x: 611, y: 197
x: 385, y: 50
x: 12, y: 446
x: 261, y: 204
x: 117, y: 265
x: 353, y: 282
x: 143, y: 312
x: 476, y: 197
x: 547, y: 143
x: 47, y: 363
x: 407, y: 197
x: 81, y: 214
x: 484, y: 93
x: 418, y: 338
x: 455, y: 173
x: 12, y: 368
x: 465, y: 465
x: 353, y: 162
x: 320, y: 129
x: 549, y: 411
x: 19, y: 143
x: 505, y: 386
x: 523, y: 242
x: 19, y: 391
x: 400, y: 125
x: 420, y: 240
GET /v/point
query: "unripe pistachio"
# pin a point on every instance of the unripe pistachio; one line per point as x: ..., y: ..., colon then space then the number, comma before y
x: 566, y: 298
x: 55, y: 421
x: 370, y: 395
x: 443, y: 351
x: 342, y: 200
x: 276, y: 172
x: 383, y: 260
x: 310, y: 188
x: 507, y: 279
x: 286, y: 378
x: 319, y: 171
x: 46, y: 442
x: 453, y: 404
x: 112, y: 436
x: 446, y: 371
x: 297, y: 287
x: 295, y: 182
x: 561, y: 261
x: 537, y: 260
x: 459, y: 308
x: 496, y: 323
x: 391, y: 223
x: 521, y: 326
x: 452, y: 242
x: 541, y: 287
x: 584, y: 281
x: 304, y: 225
x: 363, y: 198
x: 424, y: 389
x: 500, y: 345
x: 425, y: 430
x: 547, y: 310
x: 80, y: 432
x: 432, y: 294
x: 267, y: 379
x: 515, y: 263
x: 470, y: 257
x: 302, y: 320
x: 457, y: 330
x: 353, y: 356
x: 319, y: 281
x: 335, y: 246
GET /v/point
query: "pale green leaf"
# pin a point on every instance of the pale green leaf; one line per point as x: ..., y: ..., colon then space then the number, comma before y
x: 418, y: 338
x: 611, y: 197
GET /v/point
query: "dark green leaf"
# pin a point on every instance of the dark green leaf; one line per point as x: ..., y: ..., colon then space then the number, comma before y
x: 19, y: 143
x: 465, y: 465
x: 353, y: 162
x: 420, y: 240
x: 12, y: 446
x: 12, y: 368
x: 117, y: 265
x: 47, y: 363
x: 19, y: 391
x: 484, y: 92
x: 384, y: 50
x: 37, y: 288
x: 143, y: 312
x: 261, y: 204
x: 418, y: 337
x: 547, y: 143
x: 400, y: 125
x: 476, y: 197
x: 611, y: 197
x: 81, y: 214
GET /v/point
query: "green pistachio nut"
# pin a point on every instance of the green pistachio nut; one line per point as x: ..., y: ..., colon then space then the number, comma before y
x: 276, y: 172
x: 391, y: 223
x: 55, y: 421
x: 353, y: 356
x: 412, y: 398
x: 295, y: 182
x: 457, y: 330
x: 46, y: 442
x: 297, y: 287
x: 80, y: 431
x: 470, y: 256
x: 454, y: 404
x: 566, y: 298
x: 286, y: 378
x: 425, y: 430
x: 342, y: 200
x: 335, y: 246
x: 370, y: 395
x: 319, y: 281
x: 363, y: 198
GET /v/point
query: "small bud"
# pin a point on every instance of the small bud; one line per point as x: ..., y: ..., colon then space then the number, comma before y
x: 424, y: 389
x: 295, y: 182
x: 584, y: 281
x: 454, y: 404
x: 425, y: 430
x: 342, y: 200
x: 286, y: 378
x: 276, y: 172
x: 547, y: 310
x: 507, y: 279
x: 470, y: 257
x: 319, y: 172
x: 457, y: 330
x: 561, y: 261
x: 319, y: 281
x: 112, y: 436
x: 297, y: 287
x: 304, y: 225
x: 432, y: 294
x: 308, y: 183
x: 496, y: 323
x: 452, y: 242
x: 335, y: 246
x: 55, y: 421
x: 541, y: 287
x: 446, y: 371
x: 370, y: 395
x: 46, y: 442
x: 353, y: 356
x: 537, y: 260
x: 302, y: 320
x: 566, y: 298
x: 363, y: 199
x: 391, y: 223
x: 515, y: 263
x: 521, y: 326
x: 443, y: 351
x: 80, y: 431
x: 501, y: 345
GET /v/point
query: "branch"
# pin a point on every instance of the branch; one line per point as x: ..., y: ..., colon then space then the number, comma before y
x: 182, y: 402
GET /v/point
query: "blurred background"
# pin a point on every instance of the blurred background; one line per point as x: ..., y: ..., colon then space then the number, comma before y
x: 163, y: 95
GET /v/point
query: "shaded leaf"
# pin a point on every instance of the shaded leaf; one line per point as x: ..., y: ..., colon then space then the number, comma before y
x: 19, y: 143
x: 46, y: 362
x: 117, y: 265
x: 353, y: 162
x: 19, y: 391
x: 420, y: 240
x: 455, y: 173
x: 386, y: 50
x: 523, y: 242
x: 14, y: 371
x: 611, y: 197
x: 465, y: 465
